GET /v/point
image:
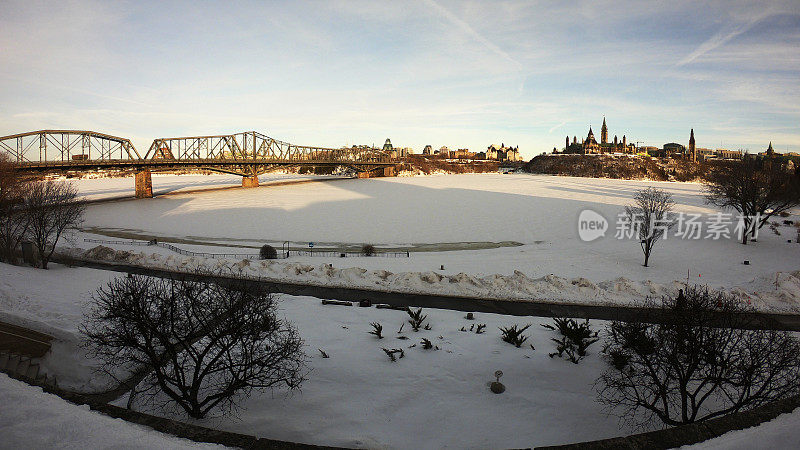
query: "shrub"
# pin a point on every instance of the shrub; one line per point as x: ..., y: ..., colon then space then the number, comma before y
x: 368, y: 250
x: 268, y: 252
x: 427, y: 344
x: 576, y: 338
x: 377, y: 329
x: 392, y: 352
x: 513, y: 335
x: 417, y: 318
x: 694, y: 361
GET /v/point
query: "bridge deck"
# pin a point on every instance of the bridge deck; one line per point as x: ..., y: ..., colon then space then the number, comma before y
x: 169, y: 163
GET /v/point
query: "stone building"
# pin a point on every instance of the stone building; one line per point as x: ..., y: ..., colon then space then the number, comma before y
x: 503, y: 153
x: 591, y: 146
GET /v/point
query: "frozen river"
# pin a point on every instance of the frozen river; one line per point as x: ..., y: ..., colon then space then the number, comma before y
x: 476, y: 223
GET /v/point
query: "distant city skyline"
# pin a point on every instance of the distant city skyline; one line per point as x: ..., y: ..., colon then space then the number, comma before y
x: 460, y: 74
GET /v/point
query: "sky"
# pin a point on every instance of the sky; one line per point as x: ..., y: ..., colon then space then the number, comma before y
x: 462, y: 74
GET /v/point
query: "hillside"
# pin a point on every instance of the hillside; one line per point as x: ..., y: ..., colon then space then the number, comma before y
x: 607, y: 166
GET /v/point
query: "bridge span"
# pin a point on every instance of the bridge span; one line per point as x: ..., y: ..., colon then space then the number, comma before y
x: 247, y: 154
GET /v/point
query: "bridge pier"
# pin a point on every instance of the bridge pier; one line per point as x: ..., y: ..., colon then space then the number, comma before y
x: 390, y: 171
x: 250, y: 182
x: 144, y: 184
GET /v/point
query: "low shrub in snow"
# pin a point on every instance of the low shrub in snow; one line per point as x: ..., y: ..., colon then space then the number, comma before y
x: 478, y: 330
x: 513, y: 335
x: 268, y: 252
x: 576, y: 337
x: 417, y: 319
x: 368, y: 250
x: 391, y: 353
x: 377, y: 329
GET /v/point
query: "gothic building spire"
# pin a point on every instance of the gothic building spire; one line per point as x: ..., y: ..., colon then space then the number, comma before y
x: 604, y: 132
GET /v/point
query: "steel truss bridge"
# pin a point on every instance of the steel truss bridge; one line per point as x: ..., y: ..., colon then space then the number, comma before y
x: 247, y: 154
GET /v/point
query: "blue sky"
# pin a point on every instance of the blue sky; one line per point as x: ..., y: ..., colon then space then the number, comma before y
x: 461, y: 74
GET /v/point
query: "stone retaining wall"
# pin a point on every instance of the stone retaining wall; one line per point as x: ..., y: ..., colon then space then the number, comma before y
x: 691, y: 433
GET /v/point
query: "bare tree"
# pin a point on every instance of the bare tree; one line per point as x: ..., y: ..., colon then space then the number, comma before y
x: 756, y: 188
x: 51, y: 207
x: 696, y: 364
x: 203, y: 345
x: 13, y: 224
x: 651, y: 217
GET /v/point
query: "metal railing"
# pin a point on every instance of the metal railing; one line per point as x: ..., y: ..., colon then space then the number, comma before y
x: 179, y: 250
x: 347, y: 254
x: 281, y: 254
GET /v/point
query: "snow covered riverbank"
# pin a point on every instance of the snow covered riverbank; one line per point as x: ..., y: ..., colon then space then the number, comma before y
x: 776, y: 293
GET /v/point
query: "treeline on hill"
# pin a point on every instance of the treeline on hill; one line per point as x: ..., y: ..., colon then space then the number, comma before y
x: 615, y: 167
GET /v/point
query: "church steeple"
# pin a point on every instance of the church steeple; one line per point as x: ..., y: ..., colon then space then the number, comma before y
x: 692, y: 151
x: 604, y: 132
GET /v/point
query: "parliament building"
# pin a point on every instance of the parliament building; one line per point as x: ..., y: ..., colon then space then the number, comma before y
x: 591, y: 146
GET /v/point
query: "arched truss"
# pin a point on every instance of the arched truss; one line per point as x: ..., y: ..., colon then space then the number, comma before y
x: 66, y: 145
x: 252, y: 145
x: 249, y: 153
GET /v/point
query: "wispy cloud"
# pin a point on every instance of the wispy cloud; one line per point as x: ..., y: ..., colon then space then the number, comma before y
x: 557, y: 127
x: 470, y: 31
x: 721, y: 38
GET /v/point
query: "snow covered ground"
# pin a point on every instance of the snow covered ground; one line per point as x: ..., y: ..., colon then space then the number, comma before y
x: 780, y: 294
x: 54, y: 301
x: 32, y: 419
x: 430, y: 398
x: 779, y: 433
x: 357, y: 397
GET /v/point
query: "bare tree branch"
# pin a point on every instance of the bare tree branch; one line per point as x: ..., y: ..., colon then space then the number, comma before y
x: 206, y: 345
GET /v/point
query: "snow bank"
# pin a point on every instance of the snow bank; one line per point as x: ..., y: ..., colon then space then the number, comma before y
x: 780, y: 296
x: 34, y: 419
